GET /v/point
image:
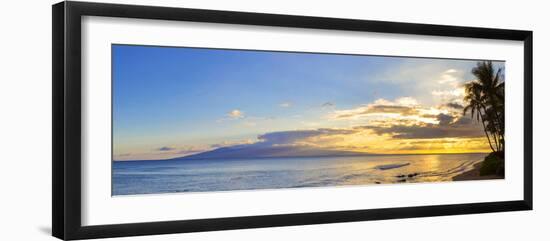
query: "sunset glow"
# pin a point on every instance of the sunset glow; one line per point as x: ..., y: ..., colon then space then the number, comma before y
x: 174, y: 102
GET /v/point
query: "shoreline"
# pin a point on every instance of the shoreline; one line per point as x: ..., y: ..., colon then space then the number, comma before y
x: 474, y: 175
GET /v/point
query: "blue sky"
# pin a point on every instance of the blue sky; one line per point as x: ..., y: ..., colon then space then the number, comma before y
x: 175, y: 101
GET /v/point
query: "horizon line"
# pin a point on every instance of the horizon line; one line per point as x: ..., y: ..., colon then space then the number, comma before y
x: 351, y: 155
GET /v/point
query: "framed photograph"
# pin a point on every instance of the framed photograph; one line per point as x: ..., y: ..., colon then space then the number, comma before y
x: 169, y: 120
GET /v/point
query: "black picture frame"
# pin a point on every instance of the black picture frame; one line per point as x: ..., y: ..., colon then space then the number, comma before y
x: 66, y: 159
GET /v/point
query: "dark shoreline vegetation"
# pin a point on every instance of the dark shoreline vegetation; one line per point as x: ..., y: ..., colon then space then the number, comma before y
x: 492, y: 167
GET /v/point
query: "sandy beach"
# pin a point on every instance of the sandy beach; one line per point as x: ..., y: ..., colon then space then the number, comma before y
x: 474, y: 175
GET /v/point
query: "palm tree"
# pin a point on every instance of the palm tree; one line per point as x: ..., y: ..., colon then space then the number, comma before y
x: 485, y: 99
x: 474, y: 104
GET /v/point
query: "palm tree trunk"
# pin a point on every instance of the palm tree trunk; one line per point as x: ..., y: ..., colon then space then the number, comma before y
x: 485, y: 128
x: 499, y: 121
x: 502, y: 141
x: 500, y: 130
x: 497, y: 143
x: 486, y: 134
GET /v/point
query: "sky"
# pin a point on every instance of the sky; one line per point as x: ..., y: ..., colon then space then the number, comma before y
x: 174, y: 101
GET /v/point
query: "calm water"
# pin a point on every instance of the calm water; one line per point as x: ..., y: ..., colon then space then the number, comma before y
x: 142, y: 177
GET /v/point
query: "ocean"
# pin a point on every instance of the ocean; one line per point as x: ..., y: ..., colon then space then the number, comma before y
x: 172, y: 176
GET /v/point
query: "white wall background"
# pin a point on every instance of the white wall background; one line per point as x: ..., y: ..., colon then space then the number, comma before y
x: 25, y: 120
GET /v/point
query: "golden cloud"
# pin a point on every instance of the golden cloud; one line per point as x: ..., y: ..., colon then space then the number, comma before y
x: 235, y: 114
